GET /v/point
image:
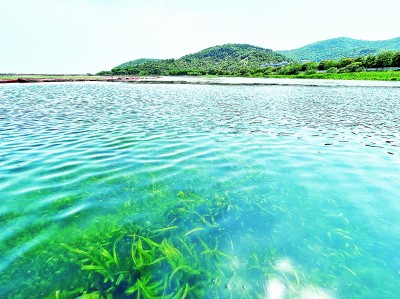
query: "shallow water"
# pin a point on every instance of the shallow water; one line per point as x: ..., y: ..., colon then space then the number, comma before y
x: 294, y: 189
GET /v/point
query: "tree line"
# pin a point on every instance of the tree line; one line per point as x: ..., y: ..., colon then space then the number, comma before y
x: 385, y: 59
x: 198, y: 67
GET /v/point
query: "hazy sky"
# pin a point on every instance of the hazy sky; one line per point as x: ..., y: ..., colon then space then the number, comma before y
x: 81, y: 36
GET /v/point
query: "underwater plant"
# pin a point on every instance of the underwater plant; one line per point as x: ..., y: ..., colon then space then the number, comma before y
x: 149, y: 269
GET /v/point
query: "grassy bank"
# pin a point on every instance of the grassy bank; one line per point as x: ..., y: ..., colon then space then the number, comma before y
x: 379, y: 75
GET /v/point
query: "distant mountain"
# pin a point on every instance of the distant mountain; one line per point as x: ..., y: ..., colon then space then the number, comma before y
x: 341, y: 47
x: 231, y: 56
x: 137, y: 62
x: 223, y: 59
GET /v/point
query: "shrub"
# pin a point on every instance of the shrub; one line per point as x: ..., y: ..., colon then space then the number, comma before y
x: 327, y: 64
x: 311, y: 72
x: 332, y: 70
x: 353, y: 67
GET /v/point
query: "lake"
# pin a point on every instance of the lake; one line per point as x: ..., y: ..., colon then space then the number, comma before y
x: 290, y: 190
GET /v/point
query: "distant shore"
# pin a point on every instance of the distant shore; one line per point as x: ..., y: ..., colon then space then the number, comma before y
x: 310, y: 80
x: 50, y: 79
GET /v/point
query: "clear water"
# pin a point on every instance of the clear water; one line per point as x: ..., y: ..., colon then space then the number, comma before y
x: 279, y: 191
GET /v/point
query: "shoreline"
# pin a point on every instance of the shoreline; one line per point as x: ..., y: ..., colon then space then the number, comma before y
x: 50, y: 79
x: 195, y: 80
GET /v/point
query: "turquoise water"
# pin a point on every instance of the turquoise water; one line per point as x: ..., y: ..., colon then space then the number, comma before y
x: 260, y: 191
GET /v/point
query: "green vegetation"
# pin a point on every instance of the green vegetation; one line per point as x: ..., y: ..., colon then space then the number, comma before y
x: 378, y: 76
x: 150, y: 270
x: 345, y: 68
x: 193, y: 245
x: 250, y: 61
x: 229, y: 59
x: 341, y: 47
x: 137, y: 62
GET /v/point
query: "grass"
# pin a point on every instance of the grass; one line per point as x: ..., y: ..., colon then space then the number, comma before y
x: 179, y: 255
x: 153, y: 267
x: 376, y: 76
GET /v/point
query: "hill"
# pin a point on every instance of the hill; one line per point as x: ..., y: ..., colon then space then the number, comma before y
x: 342, y: 47
x: 235, y: 59
x: 137, y: 62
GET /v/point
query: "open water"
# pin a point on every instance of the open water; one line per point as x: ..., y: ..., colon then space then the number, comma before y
x: 258, y: 191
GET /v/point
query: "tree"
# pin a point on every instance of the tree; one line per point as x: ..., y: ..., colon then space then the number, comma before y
x: 133, y: 71
x: 327, y: 64
x: 370, y: 61
x: 104, y: 73
x: 309, y: 66
x: 332, y: 70
x: 360, y: 59
x: 344, y: 62
x: 353, y: 67
x: 291, y: 69
x: 268, y: 70
x: 396, y: 59
x: 384, y: 59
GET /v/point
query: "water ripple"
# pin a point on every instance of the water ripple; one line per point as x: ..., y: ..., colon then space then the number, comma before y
x: 318, y: 159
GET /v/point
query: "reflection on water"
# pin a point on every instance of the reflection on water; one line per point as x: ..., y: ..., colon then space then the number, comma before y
x: 225, y: 191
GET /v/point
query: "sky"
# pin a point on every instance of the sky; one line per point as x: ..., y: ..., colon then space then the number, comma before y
x: 88, y: 36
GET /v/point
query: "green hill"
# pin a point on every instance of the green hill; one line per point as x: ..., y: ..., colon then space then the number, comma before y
x: 223, y: 60
x: 137, y: 62
x: 342, y: 47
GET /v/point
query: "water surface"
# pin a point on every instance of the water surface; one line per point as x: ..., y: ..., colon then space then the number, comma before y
x: 279, y: 191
